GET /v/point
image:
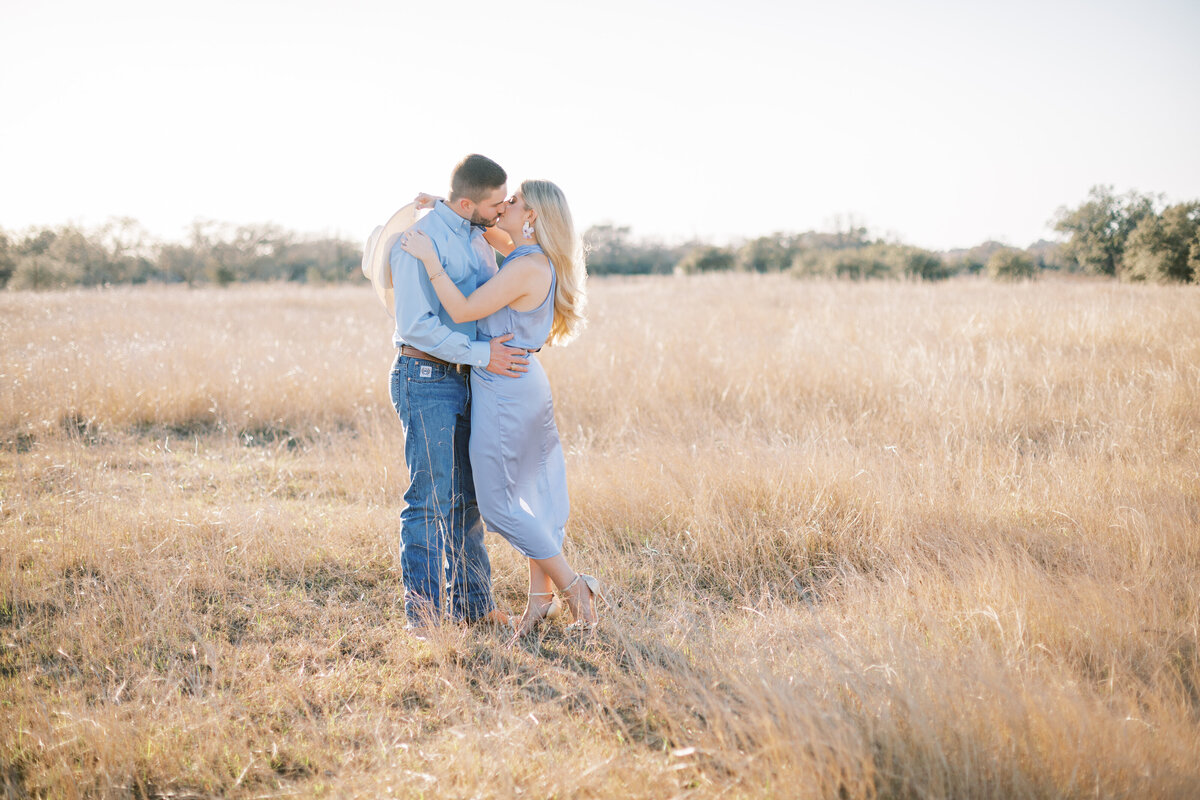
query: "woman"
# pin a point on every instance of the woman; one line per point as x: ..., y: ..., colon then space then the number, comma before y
x: 516, y: 457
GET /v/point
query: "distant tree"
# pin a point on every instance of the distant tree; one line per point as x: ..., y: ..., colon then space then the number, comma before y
x: 232, y: 253
x: 179, y: 263
x: 38, y: 262
x: 809, y: 263
x: 857, y: 263
x: 612, y: 250
x: 765, y: 254
x: 706, y: 258
x: 974, y: 260
x: 41, y: 271
x: 8, y: 259
x: 849, y: 230
x: 37, y: 243
x: 608, y: 248
x: 85, y: 261
x: 970, y: 265
x: 1098, y: 228
x: 217, y: 254
x: 875, y: 260
x: 823, y: 240
x: 914, y: 262
x: 860, y: 263
x: 1010, y: 264
x: 1160, y: 248
x: 258, y: 252
x: 1048, y: 255
x: 130, y: 251
x: 318, y: 261
x: 846, y: 252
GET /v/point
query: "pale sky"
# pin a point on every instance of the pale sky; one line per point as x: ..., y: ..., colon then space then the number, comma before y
x: 941, y: 123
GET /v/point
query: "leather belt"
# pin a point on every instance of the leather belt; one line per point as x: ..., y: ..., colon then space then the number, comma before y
x: 413, y: 352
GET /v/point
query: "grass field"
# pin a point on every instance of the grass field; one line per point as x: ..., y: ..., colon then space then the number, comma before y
x: 861, y: 540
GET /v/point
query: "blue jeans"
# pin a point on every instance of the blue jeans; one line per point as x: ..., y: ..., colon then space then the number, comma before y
x: 440, y: 529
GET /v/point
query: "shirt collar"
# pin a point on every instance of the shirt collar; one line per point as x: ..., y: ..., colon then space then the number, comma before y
x: 452, y: 220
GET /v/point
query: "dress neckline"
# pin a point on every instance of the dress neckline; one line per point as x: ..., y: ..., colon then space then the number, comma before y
x: 524, y: 250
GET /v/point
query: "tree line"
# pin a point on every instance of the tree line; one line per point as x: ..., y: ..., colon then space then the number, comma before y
x: 849, y: 253
x: 120, y: 251
x: 1132, y: 237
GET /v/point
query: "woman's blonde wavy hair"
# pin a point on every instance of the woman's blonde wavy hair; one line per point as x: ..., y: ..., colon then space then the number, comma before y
x: 556, y: 234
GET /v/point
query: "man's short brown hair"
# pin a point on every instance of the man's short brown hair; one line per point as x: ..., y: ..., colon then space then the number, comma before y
x: 474, y: 177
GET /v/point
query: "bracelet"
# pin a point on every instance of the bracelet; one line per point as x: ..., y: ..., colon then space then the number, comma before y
x: 436, y: 275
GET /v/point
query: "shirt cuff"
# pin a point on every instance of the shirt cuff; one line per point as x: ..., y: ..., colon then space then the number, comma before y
x: 481, y: 354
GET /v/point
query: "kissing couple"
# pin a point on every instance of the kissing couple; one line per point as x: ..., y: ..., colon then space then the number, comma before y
x: 480, y: 439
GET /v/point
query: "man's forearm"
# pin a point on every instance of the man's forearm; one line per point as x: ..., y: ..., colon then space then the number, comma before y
x: 418, y: 323
x: 455, y: 348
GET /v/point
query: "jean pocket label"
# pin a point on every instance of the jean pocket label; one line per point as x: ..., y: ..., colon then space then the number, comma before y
x: 426, y: 372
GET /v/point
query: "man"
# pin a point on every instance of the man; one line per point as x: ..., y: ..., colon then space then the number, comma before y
x: 431, y: 392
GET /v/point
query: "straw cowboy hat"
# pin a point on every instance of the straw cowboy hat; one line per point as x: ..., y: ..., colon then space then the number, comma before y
x: 376, y: 264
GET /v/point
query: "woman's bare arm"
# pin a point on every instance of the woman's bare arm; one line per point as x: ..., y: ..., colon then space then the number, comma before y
x: 510, y: 285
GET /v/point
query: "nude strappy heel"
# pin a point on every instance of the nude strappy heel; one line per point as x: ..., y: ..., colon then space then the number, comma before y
x: 548, y: 612
x: 595, y: 594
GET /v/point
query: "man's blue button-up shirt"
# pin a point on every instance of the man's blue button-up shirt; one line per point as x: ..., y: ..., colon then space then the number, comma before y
x: 469, y: 261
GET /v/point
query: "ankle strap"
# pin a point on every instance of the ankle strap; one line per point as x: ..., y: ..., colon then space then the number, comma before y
x: 540, y: 594
x: 567, y: 588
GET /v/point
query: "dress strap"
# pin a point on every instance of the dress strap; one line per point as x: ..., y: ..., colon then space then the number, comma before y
x: 524, y: 250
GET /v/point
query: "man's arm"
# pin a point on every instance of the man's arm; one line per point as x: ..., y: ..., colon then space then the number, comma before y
x: 421, y: 327
x: 418, y: 322
x: 500, y: 241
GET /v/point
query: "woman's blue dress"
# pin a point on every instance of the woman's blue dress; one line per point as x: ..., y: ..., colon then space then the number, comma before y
x: 516, y: 456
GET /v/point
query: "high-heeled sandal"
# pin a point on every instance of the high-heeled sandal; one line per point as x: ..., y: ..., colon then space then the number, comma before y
x: 548, y: 612
x: 595, y: 594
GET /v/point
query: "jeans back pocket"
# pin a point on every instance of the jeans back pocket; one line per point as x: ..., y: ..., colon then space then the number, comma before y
x: 422, y: 371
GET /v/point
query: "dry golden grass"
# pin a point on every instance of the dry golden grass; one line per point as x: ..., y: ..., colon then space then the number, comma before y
x: 882, y: 540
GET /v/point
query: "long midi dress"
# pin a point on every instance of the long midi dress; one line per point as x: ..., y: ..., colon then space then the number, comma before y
x: 516, y: 456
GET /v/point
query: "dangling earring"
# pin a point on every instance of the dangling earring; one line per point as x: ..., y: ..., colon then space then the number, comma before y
x: 527, y: 229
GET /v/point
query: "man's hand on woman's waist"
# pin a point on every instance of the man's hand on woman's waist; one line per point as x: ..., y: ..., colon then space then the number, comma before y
x: 507, y: 361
